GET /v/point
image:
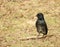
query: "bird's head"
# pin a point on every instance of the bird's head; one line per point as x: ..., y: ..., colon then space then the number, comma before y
x: 40, y: 16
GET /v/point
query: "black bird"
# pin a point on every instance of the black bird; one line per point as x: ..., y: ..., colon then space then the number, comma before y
x: 41, y: 24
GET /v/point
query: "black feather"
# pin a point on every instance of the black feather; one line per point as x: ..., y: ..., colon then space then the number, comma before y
x: 41, y: 24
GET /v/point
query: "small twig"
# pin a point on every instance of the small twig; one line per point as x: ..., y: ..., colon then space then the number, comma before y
x: 34, y: 38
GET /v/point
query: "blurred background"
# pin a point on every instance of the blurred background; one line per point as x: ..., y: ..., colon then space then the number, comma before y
x: 17, y: 20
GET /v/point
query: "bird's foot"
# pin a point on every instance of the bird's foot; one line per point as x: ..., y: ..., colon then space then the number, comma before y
x: 38, y: 35
x: 44, y: 36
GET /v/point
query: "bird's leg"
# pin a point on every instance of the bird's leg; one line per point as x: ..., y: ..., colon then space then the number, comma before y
x: 44, y: 35
x: 38, y: 35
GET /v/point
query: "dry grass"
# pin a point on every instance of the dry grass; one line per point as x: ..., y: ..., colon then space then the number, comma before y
x: 17, y: 20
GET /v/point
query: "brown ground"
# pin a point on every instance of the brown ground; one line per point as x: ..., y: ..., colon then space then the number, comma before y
x: 17, y: 20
